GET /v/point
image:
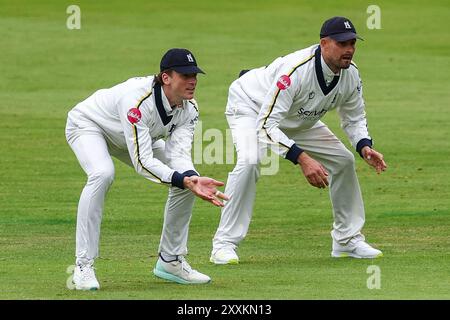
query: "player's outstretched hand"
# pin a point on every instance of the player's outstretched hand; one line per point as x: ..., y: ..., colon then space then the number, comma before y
x: 206, y: 188
x: 314, y: 172
x: 374, y: 159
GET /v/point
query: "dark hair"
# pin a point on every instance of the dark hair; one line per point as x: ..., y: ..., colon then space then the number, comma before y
x: 158, y: 77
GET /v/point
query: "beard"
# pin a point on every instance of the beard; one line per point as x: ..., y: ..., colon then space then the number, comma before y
x: 345, y: 62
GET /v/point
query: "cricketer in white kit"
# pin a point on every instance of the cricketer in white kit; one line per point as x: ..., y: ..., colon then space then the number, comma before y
x: 130, y: 122
x: 281, y: 106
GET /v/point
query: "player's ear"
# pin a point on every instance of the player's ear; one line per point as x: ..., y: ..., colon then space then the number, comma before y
x: 166, y: 78
x: 325, y: 44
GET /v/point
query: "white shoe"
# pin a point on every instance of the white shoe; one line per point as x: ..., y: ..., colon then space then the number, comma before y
x: 179, y: 271
x: 224, y: 256
x: 84, y: 278
x: 355, y: 248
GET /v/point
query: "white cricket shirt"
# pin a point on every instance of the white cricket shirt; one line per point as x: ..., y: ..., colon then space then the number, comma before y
x: 132, y: 116
x: 292, y: 93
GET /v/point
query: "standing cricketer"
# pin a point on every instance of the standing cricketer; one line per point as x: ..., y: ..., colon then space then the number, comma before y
x: 129, y: 121
x: 281, y: 106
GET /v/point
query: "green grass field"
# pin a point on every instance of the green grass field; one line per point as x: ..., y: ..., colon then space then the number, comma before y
x: 46, y: 69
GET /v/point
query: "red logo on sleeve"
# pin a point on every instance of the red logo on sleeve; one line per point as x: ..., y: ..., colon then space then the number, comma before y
x: 134, y: 115
x: 284, y: 82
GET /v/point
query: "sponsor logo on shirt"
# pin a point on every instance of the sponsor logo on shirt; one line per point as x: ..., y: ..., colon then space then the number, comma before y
x: 194, y: 121
x: 284, y: 82
x: 310, y: 115
x: 134, y: 115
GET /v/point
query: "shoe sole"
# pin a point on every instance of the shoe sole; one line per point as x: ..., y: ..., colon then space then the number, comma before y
x: 87, y: 289
x: 168, y: 276
x: 352, y: 255
x: 231, y: 261
x: 84, y: 288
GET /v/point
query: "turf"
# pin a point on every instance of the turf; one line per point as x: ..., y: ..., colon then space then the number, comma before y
x: 46, y: 69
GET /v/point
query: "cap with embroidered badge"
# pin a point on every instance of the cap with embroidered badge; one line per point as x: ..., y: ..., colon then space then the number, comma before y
x: 180, y: 60
x: 340, y: 29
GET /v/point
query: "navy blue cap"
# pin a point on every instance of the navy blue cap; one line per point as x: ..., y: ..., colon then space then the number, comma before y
x: 339, y: 29
x: 180, y: 60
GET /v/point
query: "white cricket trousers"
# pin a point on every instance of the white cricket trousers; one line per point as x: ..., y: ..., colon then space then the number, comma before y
x: 92, y: 152
x: 321, y: 144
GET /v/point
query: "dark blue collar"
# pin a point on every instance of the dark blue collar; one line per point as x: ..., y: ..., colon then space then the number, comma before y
x: 160, y: 106
x: 320, y: 78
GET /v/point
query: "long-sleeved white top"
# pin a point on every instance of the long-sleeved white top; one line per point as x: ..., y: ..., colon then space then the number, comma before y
x: 132, y: 116
x: 296, y: 91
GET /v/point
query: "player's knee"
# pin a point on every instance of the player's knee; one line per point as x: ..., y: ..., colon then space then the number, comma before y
x: 245, y: 171
x: 104, y: 176
x: 347, y: 159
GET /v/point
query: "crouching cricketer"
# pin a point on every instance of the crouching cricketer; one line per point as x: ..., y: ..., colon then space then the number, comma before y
x: 148, y: 123
x: 282, y: 105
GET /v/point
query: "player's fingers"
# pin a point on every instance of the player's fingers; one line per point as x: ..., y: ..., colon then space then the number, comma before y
x: 221, y: 195
x: 379, y: 169
x: 324, y: 182
x: 316, y: 181
x: 371, y: 154
x: 380, y: 165
x: 373, y: 162
x: 324, y: 171
x: 311, y: 179
x: 217, y: 183
x: 319, y: 181
x: 203, y: 194
x: 324, y: 178
x: 378, y: 156
x: 216, y: 202
x: 315, y: 184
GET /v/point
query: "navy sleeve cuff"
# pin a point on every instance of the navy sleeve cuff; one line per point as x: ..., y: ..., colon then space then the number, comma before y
x: 361, y: 144
x: 177, y: 180
x: 190, y: 173
x: 293, y: 153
